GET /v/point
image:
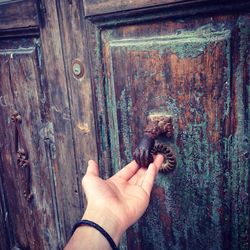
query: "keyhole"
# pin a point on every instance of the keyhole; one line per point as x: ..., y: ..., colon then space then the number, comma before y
x: 77, y: 68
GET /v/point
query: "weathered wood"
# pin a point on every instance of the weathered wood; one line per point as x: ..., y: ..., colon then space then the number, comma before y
x: 97, y: 77
x: 4, y: 229
x: 98, y: 7
x: 194, y: 67
x: 179, y: 10
x: 195, y: 70
x: 18, y: 15
x: 32, y: 221
x: 63, y: 162
x: 80, y: 101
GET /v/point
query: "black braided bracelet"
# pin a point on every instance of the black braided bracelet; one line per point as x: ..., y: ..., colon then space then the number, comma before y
x: 97, y: 227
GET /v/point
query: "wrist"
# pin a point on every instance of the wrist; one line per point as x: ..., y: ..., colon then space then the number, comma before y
x: 108, y: 221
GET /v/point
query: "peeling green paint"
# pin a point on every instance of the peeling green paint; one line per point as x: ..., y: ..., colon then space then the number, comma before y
x: 205, y: 200
x: 185, y: 44
x: 112, y: 118
x: 124, y: 105
x: 240, y: 144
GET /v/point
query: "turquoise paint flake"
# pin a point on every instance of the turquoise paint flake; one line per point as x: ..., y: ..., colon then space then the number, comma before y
x: 124, y: 105
x: 185, y: 44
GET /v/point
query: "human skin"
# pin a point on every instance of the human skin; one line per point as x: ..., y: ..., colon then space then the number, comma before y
x: 114, y: 204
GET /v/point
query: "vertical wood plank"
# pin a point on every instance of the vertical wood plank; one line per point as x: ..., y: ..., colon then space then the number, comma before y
x: 74, y: 40
x: 11, y: 180
x: 64, y: 168
x: 100, y: 103
x: 5, y: 226
x: 32, y: 222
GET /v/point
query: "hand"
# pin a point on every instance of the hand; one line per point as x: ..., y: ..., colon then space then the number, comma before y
x: 124, y: 197
x: 114, y: 204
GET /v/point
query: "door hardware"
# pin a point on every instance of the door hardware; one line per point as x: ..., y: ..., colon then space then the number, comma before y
x: 169, y: 162
x: 158, y: 124
x: 22, y: 157
x: 77, y: 68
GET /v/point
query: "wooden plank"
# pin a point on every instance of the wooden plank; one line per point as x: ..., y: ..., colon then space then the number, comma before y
x: 16, y: 209
x: 194, y: 69
x: 99, y: 7
x: 97, y: 78
x: 63, y: 162
x: 32, y: 222
x: 5, y: 241
x: 18, y: 14
x: 74, y: 42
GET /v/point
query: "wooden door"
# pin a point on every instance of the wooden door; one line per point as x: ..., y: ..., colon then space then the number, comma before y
x: 191, y: 61
x: 28, y: 215
x: 40, y: 196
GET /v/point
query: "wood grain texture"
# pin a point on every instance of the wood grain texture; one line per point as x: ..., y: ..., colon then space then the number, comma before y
x: 100, y: 104
x: 195, y: 70
x: 80, y: 93
x: 67, y: 126
x: 5, y: 227
x: 98, y: 7
x: 64, y: 165
x: 31, y: 224
x: 15, y: 15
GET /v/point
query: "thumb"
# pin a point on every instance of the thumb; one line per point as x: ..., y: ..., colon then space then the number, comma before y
x: 92, y: 168
x: 158, y: 160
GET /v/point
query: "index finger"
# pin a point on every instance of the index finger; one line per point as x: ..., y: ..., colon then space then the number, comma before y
x: 128, y: 171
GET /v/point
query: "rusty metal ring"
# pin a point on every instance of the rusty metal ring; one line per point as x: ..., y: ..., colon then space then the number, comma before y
x: 169, y: 157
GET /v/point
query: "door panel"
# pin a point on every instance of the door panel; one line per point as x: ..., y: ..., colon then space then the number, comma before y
x: 37, y: 81
x: 145, y: 57
x: 98, y: 7
x: 194, y: 69
x: 27, y: 189
x: 14, y: 16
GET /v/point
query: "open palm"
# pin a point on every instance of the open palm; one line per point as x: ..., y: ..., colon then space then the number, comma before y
x: 125, y: 195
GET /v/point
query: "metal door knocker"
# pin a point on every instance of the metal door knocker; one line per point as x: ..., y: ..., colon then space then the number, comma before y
x: 158, y: 124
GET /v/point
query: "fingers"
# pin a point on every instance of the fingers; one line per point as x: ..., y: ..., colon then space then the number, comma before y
x: 149, y: 178
x: 92, y: 168
x: 148, y: 181
x: 128, y: 171
x: 158, y: 160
